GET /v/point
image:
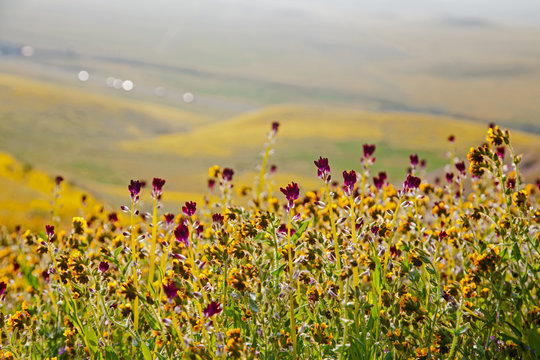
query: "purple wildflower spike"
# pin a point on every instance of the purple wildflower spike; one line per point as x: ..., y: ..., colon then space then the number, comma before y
x: 103, y: 267
x: 323, y: 169
x: 349, y: 179
x: 414, y: 160
x: 49, y: 230
x: 218, y: 219
x: 291, y: 192
x: 368, y: 150
x: 412, y: 182
x: 181, y: 233
x: 212, y: 309
x: 58, y: 180
x: 135, y: 189
x: 275, y: 126
x: 460, y: 166
x: 227, y: 174
x: 190, y: 208
x: 170, y: 290
x: 3, y: 287
x: 169, y: 218
x: 157, y: 187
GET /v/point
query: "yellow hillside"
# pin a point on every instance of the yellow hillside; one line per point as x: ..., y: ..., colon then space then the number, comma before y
x: 26, y: 196
x: 401, y: 130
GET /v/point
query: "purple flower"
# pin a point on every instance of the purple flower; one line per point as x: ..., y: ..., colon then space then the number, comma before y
x: 157, y: 185
x: 412, y: 182
x: 423, y: 163
x: 58, y: 180
x: 450, y: 177
x: 500, y: 151
x: 113, y: 217
x: 45, y: 274
x: 103, y: 267
x: 3, y: 287
x: 379, y: 181
x: 349, y: 179
x: 211, y: 183
x: 169, y: 218
x: 135, y: 189
x: 218, y: 219
x: 460, y: 166
x: 170, y: 290
x: 414, y: 160
x: 49, y: 229
x: 451, y: 138
x: 181, y: 233
x: 273, y: 169
x: 190, y: 208
x: 511, y: 183
x: 323, y: 169
x: 291, y: 192
x: 227, y: 174
x: 212, y: 309
x: 284, y: 229
x: 368, y: 150
x: 275, y: 126
x: 442, y: 235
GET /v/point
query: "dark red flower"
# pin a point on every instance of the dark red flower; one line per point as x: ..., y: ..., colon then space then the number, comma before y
x: 181, y: 233
x: 135, y: 189
x: 460, y: 166
x: 170, y: 290
x: 273, y: 169
x: 368, y: 150
x: 500, y: 151
x: 218, y: 219
x: 423, y: 163
x: 378, y: 182
x: 169, y: 218
x: 412, y: 182
x: 103, y: 267
x: 3, y: 287
x: 451, y: 138
x: 49, y: 229
x: 323, y: 169
x: 157, y: 187
x: 212, y: 309
x: 414, y: 160
x: 211, y: 183
x: 227, y: 174
x: 190, y: 208
x: 275, y: 126
x: 349, y: 180
x: 450, y: 177
x: 58, y: 180
x: 113, y: 217
x: 291, y: 192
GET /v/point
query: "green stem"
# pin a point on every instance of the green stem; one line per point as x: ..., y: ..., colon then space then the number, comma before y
x: 153, y: 245
x: 291, y: 270
x: 335, y: 238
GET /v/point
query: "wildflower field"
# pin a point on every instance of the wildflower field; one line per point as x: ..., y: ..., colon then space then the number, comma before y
x: 355, y: 269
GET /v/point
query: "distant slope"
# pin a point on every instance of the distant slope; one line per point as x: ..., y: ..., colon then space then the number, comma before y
x: 307, y: 132
x: 26, y: 196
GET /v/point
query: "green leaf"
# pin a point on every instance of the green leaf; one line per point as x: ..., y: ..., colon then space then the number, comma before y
x: 462, y: 329
x: 152, y: 322
x: 110, y: 354
x: 91, y: 339
x: 279, y: 271
x: 514, y: 329
x: 300, y: 231
x: 145, y: 351
x: 516, y: 254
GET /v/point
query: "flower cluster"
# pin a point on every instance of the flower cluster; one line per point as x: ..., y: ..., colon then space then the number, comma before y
x: 353, y: 269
